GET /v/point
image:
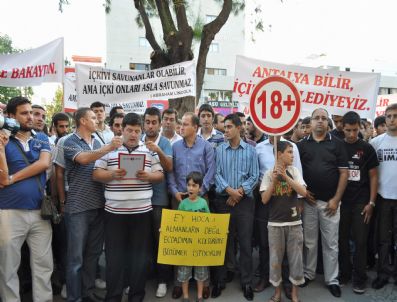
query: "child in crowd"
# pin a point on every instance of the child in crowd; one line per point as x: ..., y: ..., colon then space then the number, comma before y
x: 281, y: 187
x: 193, y: 203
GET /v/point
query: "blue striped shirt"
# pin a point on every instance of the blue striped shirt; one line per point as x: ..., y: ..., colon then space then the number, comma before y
x: 84, y: 193
x: 236, y: 167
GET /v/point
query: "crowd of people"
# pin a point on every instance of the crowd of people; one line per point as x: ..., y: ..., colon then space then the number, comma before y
x: 327, y: 202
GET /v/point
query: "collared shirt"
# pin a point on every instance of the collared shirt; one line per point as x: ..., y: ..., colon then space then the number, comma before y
x: 266, y: 157
x: 321, y: 162
x: 104, y: 136
x: 160, y: 192
x: 84, y: 193
x: 24, y: 194
x: 236, y: 167
x: 128, y: 196
x: 174, y: 139
x: 215, y: 139
x: 200, y: 157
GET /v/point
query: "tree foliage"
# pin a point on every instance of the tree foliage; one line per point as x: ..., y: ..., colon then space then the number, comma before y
x: 55, y: 106
x: 7, y: 93
x: 178, y: 34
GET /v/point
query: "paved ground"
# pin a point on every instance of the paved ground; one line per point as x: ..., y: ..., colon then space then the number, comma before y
x: 315, y: 292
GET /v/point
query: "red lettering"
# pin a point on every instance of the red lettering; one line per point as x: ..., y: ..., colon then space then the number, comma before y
x: 3, y: 74
x: 15, y: 73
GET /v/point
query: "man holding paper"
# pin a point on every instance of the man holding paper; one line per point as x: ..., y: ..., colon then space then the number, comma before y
x: 128, y: 173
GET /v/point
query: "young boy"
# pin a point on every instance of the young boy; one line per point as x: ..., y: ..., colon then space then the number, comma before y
x: 194, y: 203
x: 280, y: 187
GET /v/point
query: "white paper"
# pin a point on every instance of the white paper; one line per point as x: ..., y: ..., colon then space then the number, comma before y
x: 132, y: 163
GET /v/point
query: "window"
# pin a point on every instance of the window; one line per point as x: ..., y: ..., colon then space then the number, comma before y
x: 214, y: 47
x: 216, y: 71
x: 143, y: 42
x: 210, y: 18
x: 139, y: 66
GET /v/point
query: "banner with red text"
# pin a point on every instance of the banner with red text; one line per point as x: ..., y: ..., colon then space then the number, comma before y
x: 33, y: 67
x: 336, y: 91
x: 119, y: 86
x: 383, y: 101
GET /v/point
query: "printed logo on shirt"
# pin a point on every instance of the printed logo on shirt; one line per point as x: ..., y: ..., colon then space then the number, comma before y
x: 389, y: 154
x: 282, y: 188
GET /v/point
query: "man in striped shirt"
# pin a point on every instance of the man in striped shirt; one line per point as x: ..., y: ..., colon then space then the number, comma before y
x: 128, y: 213
x: 83, y: 206
x: 237, y: 172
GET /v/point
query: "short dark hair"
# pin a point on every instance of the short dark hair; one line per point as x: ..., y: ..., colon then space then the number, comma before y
x: 15, y: 102
x: 297, y: 123
x: 60, y: 116
x: 391, y: 107
x: 35, y: 106
x: 97, y: 104
x: 194, y: 118
x: 306, y: 120
x: 206, y: 107
x: 283, y: 145
x: 153, y: 111
x: 379, y: 120
x: 132, y: 119
x: 217, y: 117
x: 170, y: 111
x: 114, y: 116
x: 79, y: 114
x: 234, y: 118
x: 114, y: 110
x: 351, y: 118
x: 196, y: 177
x: 240, y: 114
x: 330, y: 123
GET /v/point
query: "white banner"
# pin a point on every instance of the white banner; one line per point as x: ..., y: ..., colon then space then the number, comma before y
x: 33, y: 67
x: 69, y: 91
x: 336, y: 91
x: 116, y: 86
x: 384, y: 101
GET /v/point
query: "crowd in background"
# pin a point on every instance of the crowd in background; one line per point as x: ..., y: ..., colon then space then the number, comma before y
x: 327, y: 204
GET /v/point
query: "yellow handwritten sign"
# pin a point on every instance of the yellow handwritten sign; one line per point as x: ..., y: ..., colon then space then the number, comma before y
x: 192, y: 238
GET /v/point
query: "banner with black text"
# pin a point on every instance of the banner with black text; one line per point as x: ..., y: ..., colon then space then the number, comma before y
x: 118, y: 86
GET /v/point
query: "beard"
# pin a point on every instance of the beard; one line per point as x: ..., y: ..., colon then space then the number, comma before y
x: 24, y: 128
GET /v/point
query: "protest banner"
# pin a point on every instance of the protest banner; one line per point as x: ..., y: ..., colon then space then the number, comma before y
x: 224, y: 107
x: 69, y: 90
x: 383, y: 101
x: 33, y: 67
x: 336, y: 91
x: 139, y: 107
x: 117, y: 86
x: 192, y: 238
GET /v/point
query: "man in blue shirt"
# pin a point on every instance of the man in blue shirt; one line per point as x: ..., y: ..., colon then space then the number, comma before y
x: 192, y: 153
x: 160, y: 200
x: 237, y: 172
x: 207, y: 130
x: 20, y: 202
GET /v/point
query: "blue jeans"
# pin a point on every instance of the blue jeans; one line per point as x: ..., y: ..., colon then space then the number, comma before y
x: 85, y: 237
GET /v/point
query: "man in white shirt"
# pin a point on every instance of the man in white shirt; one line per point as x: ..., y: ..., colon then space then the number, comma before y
x: 169, y: 120
x: 385, y: 146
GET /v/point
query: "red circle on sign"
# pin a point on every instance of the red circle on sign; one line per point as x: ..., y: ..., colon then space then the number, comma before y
x: 291, y: 123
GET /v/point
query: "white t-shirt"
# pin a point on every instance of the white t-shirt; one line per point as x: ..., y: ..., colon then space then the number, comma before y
x: 386, y: 150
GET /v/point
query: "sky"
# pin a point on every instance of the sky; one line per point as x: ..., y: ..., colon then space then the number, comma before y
x: 359, y: 34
